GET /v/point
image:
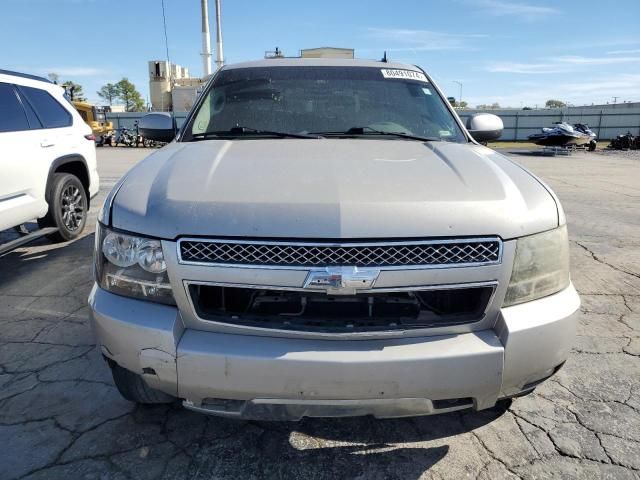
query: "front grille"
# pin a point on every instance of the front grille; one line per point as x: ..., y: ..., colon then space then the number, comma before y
x: 317, y: 312
x: 392, y: 254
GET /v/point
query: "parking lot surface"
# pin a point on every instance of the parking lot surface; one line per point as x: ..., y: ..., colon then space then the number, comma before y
x: 62, y: 418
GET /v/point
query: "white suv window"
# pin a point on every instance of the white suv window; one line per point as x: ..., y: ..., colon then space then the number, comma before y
x: 49, y: 111
x: 13, y: 117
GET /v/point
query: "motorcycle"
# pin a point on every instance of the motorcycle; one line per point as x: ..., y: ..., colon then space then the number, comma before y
x: 625, y: 142
x: 138, y: 140
x: 125, y: 137
x: 106, y: 139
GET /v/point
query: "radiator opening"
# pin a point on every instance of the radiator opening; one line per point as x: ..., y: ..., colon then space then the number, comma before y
x: 316, y: 311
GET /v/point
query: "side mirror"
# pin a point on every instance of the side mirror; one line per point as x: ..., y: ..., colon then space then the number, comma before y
x: 484, y: 127
x: 159, y: 126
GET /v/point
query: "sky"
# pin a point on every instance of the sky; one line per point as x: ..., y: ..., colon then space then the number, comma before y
x: 517, y: 53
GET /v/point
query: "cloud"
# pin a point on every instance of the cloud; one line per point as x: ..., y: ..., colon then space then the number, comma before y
x: 73, y: 71
x: 421, y: 40
x: 628, y: 84
x: 527, y: 11
x: 583, y: 92
x: 65, y: 72
x: 527, y: 68
x: 575, y: 60
x: 624, y: 52
x: 558, y: 65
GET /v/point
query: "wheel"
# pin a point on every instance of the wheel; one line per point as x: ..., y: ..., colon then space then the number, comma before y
x: 133, y: 388
x: 592, y: 145
x: 67, y: 207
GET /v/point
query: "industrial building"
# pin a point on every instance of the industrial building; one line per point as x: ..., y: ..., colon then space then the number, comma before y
x: 327, y: 52
x: 171, y: 87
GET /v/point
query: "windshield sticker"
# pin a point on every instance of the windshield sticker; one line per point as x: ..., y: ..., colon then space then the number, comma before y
x: 426, y: 91
x: 445, y: 133
x: 403, y: 74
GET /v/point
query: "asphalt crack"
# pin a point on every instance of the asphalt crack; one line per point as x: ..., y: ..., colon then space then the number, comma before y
x: 599, y: 260
x: 492, y: 455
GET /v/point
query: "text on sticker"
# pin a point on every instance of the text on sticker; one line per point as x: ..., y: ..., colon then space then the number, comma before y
x: 408, y: 74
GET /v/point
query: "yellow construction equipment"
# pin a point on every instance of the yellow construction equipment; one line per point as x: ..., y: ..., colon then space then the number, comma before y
x: 95, y: 117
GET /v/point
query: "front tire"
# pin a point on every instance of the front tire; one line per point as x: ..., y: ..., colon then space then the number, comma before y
x: 133, y: 388
x: 68, y: 207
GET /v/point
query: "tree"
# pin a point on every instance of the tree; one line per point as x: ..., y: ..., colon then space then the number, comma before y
x: 108, y: 92
x: 457, y: 104
x: 485, y: 106
x: 131, y: 98
x: 555, y: 104
x: 74, y: 90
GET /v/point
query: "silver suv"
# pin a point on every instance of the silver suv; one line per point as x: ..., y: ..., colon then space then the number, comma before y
x: 326, y: 238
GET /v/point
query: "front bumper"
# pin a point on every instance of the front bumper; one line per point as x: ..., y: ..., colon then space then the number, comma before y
x: 289, y: 378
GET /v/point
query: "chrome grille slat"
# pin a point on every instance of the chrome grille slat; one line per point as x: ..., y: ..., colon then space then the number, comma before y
x: 450, y: 252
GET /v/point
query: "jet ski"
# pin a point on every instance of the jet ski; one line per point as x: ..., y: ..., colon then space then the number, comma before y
x: 562, y: 134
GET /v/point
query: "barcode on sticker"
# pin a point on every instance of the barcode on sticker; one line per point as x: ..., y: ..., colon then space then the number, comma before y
x: 408, y: 74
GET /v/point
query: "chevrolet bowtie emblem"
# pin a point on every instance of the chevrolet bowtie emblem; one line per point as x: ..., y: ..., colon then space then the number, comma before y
x: 341, y: 280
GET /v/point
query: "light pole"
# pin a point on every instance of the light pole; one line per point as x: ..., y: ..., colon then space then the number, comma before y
x: 460, y: 97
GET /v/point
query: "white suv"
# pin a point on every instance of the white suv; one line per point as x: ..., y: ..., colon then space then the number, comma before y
x: 47, y: 157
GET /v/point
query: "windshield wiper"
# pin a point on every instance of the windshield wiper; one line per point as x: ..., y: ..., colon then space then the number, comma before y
x: 242, y: 131
x: 353, y: 131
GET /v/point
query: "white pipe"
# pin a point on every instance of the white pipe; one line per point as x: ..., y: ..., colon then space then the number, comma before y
x: 206, y: 40
x: 219, y: 54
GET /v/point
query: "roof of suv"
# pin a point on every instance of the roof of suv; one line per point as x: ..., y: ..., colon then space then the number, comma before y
x: 28, y: 80
x: 24, y: 75
x: 321, y: 62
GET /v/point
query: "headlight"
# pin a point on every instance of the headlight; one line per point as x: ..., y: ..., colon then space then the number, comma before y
x: 132, y: 266
x: 541, y: 267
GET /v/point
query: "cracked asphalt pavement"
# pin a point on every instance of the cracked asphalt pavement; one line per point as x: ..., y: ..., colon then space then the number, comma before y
x: 62, y: 418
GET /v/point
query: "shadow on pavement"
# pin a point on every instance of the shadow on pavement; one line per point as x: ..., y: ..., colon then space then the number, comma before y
x: 528, y: 153
x: 29, y: 271
x: 360, y: 447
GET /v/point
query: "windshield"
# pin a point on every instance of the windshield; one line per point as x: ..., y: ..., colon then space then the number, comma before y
x: 358, y: 101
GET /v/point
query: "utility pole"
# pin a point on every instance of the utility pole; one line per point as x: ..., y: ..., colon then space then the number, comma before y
x: 615, y: 100
x: 460, y: 97
x: 219, y: 54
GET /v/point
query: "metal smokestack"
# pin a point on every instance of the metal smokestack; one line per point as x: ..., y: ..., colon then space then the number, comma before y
x: 219, y: 54
x: 206, y: 40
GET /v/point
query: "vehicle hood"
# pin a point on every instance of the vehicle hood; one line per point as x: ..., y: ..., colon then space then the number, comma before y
x: 331, y: 188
